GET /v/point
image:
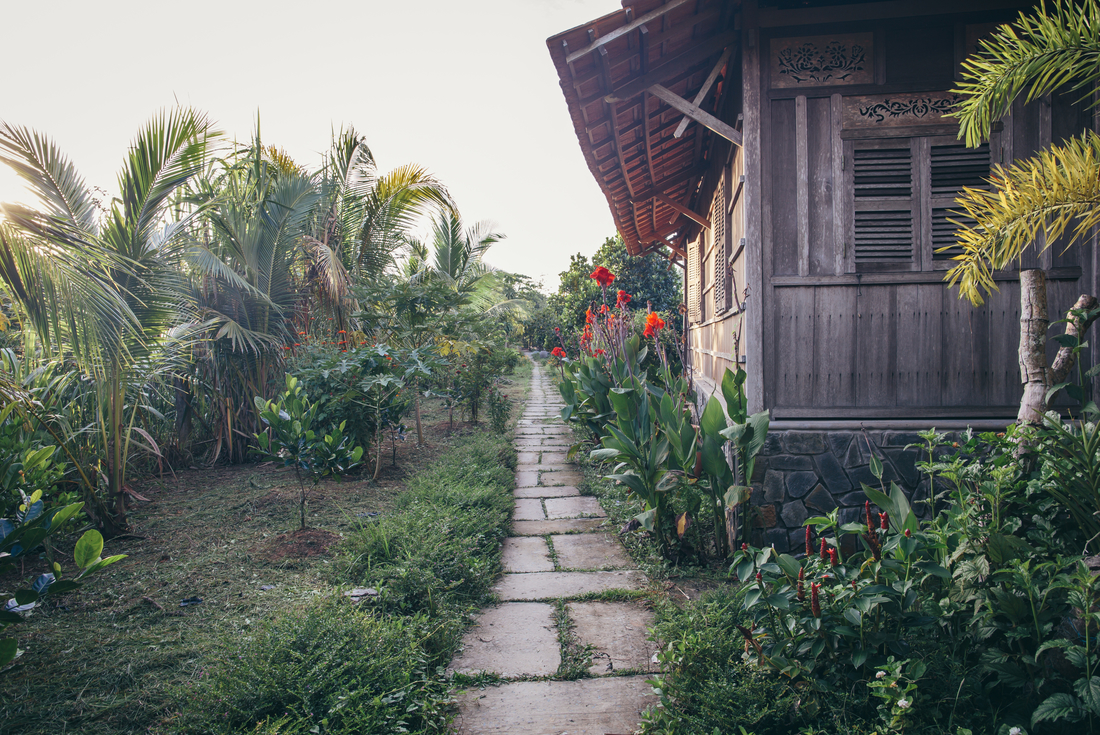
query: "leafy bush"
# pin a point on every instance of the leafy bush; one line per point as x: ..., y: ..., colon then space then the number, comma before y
x: 326, y: 667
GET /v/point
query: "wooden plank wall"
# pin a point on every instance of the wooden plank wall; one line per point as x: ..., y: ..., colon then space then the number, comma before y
x: 711, y: 340
x: 840, y: 344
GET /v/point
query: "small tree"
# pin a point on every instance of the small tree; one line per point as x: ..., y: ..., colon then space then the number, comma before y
x: 293, y: 440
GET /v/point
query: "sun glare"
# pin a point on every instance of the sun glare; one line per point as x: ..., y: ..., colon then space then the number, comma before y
x: 11, y: 187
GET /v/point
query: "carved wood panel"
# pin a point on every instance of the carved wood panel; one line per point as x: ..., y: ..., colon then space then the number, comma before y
x: 899, y: 110
x: 823, y: 61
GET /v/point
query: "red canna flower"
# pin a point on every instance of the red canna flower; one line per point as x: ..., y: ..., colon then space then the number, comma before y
x: 884, y: 521
x: 815, y: 601
x: 809, y: 548
x: 602, y: 276
x: 557, y: 329
x: 558, y: 352
x: 623, y: 300
x: 653, y: 324
x: 342, y: 331
x: 588, y: 318
x: 833, y: 559
x: 604, y: 309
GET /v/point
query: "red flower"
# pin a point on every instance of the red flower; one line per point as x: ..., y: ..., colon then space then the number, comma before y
x: 558, y: 352
x: 833, y: 560
x: 884, y: 521
x: 602, y: 276
x: 815, y: 602
x: 801, y: 585
x: 601, y: 352
x: 557, y: 329
x: 907, y: 533
x: 603, y: 308
x: 759, y: 578
x: 809, y: 548
x: 297, y: 344
x: 824, y: 550
x: 342, y: 331
x: 744, y: 547
x: 623, y: 300
x: 870, y: 518
x: 588, y: 318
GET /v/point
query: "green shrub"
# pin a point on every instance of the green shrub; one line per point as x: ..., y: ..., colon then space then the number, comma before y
x: 327, y: 667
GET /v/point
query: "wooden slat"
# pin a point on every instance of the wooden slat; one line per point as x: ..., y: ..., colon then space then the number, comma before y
x: 702, y: 117
x: 794, y: 346
x: 702, y: 94
x: 673, y: 67
x: 690, y: 214
x: 802, y: 185
x: 625, y: 29
x: 876, y: 335
x: 835, y: 347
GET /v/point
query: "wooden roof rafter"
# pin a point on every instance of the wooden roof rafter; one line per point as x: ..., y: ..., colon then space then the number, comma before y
x: 631, y: 79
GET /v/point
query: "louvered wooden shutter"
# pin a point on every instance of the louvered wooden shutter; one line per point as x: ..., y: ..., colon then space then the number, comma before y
x: 721, y: 251
x: 885, y: 222
x: 953, y: 167
x: 694, y: 282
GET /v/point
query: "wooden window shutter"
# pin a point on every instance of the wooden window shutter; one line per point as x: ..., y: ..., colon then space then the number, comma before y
x: 953, y: 167
x: 885, y: 222
x: 694, y: 277
x: 722, y: 291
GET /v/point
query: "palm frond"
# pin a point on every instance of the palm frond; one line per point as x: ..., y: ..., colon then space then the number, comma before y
x: 1057, y: 46
x: 52, y: 177
x: 1033, y: 201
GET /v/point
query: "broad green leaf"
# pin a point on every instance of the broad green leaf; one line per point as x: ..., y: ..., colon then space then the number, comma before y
x: 854, y: 616
x: 8, y: 650
x: 733, y: 390
x: 646, y: 519
x: 789, y: 565
x: 601, y: 455
x: 876, y: 466
x: 736, y: 495
x: 1089, y: 692
x: 745, y: 570
x: 859, y: 657
x: 1058, y: 707
x: 88, y: 548
x: 713, y: 419
x: 26, y: 597
x: 714, y: 459
x: 779, y: 601
x: 63, y: 515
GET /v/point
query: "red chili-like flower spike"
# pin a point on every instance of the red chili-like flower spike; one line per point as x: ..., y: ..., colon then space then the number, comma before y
x: 759, y: 578
x: 870, y: 518
x: 801, y: 585
x: 809, y: 548
x: 884, y: 521
x: 854, y: 588
x: 833, y: 558
x: 815, y: 601
x: 824, y: 550
x: 744, y: 547
x: 908, y: 534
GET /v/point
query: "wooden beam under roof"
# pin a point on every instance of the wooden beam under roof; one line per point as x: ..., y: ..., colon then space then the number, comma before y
x: 683, y: 210
x: 673, y: 67
x: 701, y: 116
x: 702, y: 95
x: 674, y: 180
x: 623, y: 30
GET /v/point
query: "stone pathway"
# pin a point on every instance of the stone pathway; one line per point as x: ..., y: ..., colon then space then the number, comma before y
x: 561, y: 550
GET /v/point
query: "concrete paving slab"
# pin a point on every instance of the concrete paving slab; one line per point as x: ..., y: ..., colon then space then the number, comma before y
x: 581, y: 507
x: 527, y: 478
x: 514, y: 639
x: 561, y: 477
x: 590, y: 551
x: 557, y: 491
x: 617, y: 630
x: 528, y: 510
x: 546, y: 585
x: 554, y: 458
x: 527, y: 554
x: 584, y: 707
x: 541, y: 528
x: 527, y: 458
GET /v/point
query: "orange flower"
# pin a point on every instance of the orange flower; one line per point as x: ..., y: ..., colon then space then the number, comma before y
x: 623, y: 300
x: 588, y: 318
x: 653, y: 324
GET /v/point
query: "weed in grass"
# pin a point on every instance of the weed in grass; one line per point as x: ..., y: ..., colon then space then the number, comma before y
x: 575, y: 656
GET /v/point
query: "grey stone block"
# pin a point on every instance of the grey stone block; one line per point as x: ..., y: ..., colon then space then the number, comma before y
x: 820, y: 499
x: 797, y: 541
x: 772, y: 445
x: 901, y: 438
x: 791, y: 462
x: 804, y: 442
x: 778, y: 538
x: 774, y: 490
x: 904, y: 462
x: 794, y: 514
x: 799, y: 484
x: 839, y: 441
x: 854, y: 499
x: 863, y: 474
x: 857, y: 453
x: 832, y: 474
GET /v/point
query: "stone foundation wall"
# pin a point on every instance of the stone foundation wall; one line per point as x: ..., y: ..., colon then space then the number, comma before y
x: 800, y: 474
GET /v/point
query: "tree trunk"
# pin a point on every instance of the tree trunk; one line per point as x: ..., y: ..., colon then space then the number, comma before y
x: 1078, y: 320
x: 1034, y: 323
x: 116, y: 417
x: 416, y: 403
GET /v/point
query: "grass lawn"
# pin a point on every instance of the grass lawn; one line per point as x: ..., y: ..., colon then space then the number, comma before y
x: 125, y: 655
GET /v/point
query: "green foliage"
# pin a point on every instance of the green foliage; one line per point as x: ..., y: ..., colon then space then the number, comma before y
x: 1071, y: 454
x: 20, y: 538
x: 500, y: 408
x: 294, y: 440
x: 438, y: 553
x: 325, y: 667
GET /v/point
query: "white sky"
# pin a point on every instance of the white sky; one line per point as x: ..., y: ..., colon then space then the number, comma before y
x: 465, y: 89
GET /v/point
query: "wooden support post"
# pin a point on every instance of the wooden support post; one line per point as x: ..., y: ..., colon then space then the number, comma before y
x: 703, y: 117
x: 702, y: 95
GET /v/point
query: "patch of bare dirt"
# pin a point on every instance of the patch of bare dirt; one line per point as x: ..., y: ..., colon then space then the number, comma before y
x: 303, y: 543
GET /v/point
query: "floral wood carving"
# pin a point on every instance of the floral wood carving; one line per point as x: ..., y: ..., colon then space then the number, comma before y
x: 917, y: 107
x: 823, y: 61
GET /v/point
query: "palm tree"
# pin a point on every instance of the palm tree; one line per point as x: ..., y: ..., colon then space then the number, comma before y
x: 127, y: 291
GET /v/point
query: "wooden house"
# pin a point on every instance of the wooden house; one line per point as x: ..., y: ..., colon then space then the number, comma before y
x: 797, y: 159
